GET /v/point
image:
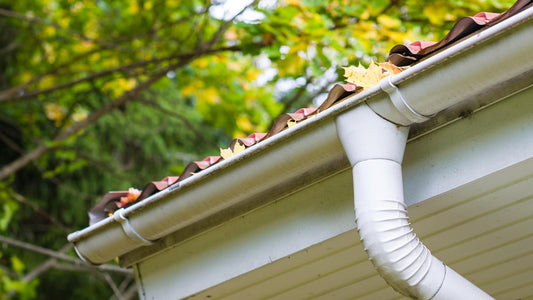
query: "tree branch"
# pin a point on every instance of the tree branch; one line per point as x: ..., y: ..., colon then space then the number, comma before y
x: 296, y: 96
x: 182, y: 118
x: 37, y: 20
x: 10, y: 143
x: 17, y: 92
x: 40, y: 211
x: 61, y: 256
x: 216, y: 37
x: 112, y: 285
x: 11, y: 47
x: 49, y: 263
x: 93, y: 117
x: 130, y: 293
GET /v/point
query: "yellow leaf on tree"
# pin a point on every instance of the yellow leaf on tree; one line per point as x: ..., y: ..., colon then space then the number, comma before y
x: 389, y: 22
x: 293, y: 2
x: 55, y: 112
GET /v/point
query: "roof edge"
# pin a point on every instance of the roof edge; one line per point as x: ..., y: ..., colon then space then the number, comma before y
x: 313, y: 143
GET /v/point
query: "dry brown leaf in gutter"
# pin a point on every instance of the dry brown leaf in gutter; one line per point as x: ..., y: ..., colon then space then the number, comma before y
x: 389, y: 69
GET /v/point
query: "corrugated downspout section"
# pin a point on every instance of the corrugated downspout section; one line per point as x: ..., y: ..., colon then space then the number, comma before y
x: 375, y: 149
x: 394, y: 249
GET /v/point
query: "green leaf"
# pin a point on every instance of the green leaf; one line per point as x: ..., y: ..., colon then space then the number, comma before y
x: 18, y: 265
x: 6, y: 214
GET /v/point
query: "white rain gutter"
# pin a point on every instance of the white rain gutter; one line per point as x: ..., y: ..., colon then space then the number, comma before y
x: 487, y: 65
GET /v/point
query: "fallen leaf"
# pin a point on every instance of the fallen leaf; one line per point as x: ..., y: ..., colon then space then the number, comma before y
x: 227, y: 153
x: 369, y: 77
x: 390, y: 69
x: 365, y: 78
x: 132, y: 196
x: 291, y: 123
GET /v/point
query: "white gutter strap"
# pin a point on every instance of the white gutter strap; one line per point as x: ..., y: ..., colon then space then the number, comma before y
x: 119, y: 217
x: 399, y: 102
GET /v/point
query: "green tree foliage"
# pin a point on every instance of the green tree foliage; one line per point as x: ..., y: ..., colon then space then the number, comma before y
x: 99, y: 95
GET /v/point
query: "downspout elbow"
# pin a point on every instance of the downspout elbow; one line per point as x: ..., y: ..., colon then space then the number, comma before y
x: 375, y: 149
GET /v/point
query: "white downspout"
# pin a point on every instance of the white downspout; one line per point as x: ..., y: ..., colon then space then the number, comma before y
x: 375, y: 149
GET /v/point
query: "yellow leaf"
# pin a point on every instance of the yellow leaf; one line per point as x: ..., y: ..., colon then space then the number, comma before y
x: 148, y: 5
x: 365, y: 78
x: 291, y: 123
x: 55, y: 112
x: 228, y: 153
x: 238, y: 148
x: 293, y: 2
x: 79, y: 115
x: 244, y: 124
x: 209, y: 95
x: 389, y: 22
x: 133, y: 8
x: 390, y: 69
x: 436, y: 13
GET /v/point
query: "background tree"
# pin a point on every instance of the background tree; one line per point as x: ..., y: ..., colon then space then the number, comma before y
x: 103, y: 95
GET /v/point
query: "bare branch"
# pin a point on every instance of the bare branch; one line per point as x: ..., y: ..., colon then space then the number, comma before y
x: 112, y: 285
x: 125, y: 283
x: 40, y: 211
x: 182, y: 118
x: 10, y: 143
x: 93, y: 117
x: 130, y: 293
x: 23, y: 161
x: 37, y: 20
x: 61, y: 256
x: 49, y: 263
x: 17, y: 92
x: 216, y: 37
x: 296, y: 96
x: 12, y: 46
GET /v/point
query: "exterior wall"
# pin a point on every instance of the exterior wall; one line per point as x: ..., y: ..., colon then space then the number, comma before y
x: 469, y: 186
